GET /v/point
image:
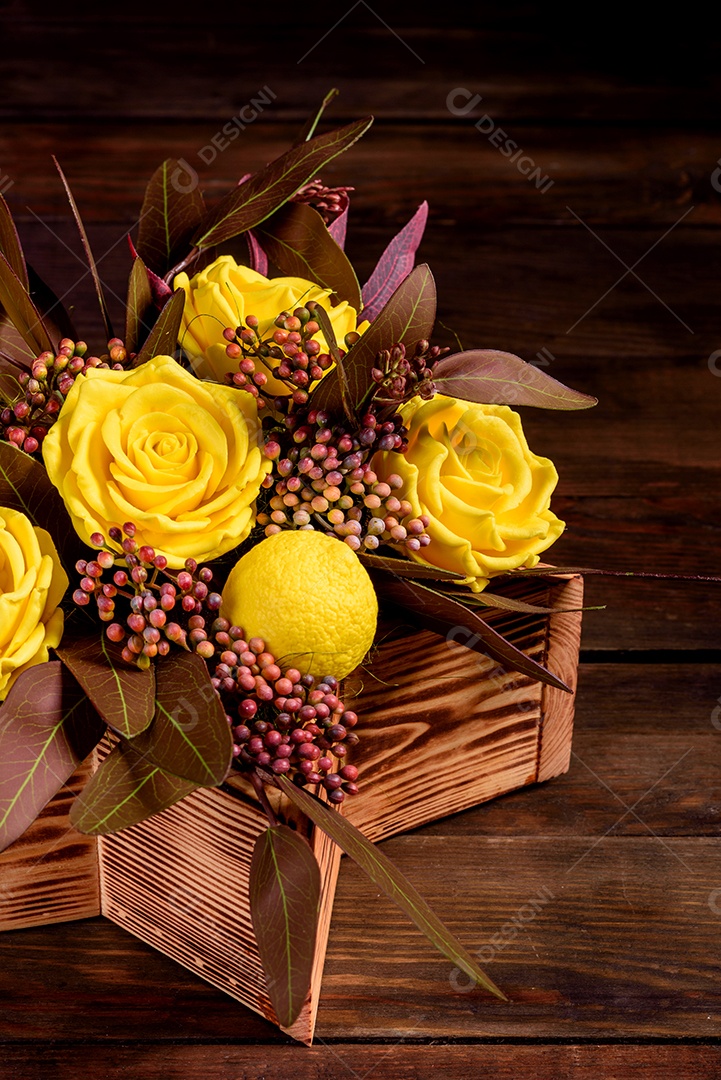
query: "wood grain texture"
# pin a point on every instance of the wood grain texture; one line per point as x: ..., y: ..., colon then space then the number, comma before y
x: 563, y: 641
x: 50, y: 874
x: 444, y: 727
x: 179, y: 881
x: 403, y: 1061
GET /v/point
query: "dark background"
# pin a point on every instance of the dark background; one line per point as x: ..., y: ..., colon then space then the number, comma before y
x: 611, y: 276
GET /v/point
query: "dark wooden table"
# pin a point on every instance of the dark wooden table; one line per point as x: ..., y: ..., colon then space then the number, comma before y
x: 611, y: 276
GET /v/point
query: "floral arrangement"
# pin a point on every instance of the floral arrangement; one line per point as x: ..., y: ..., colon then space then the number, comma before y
x: 198, y: 520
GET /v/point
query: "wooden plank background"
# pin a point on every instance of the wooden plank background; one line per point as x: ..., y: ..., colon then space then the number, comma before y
x: 617, y: 972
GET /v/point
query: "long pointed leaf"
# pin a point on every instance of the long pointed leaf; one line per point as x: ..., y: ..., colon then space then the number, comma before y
x: 250, y: 203
x: 88, y: 253
x: 25, y: 486
x: 56, y: 318
x: 500, y: 378
x: 122, y: 693
x: 170, y: 214
x: 297, y: 240
x: 388, y: 878
x: 326, y: 326
x: 126, y: 789
x: 394, y: 265
x: 284, y: 898
x: 189, y: 736
x: 405, y: 568
x: 47, y: 727
x: 440, y: 613
x: 408, y: 317
x: 163, y: 338
x: 21, y: 311
x: 10, y: 245
x: 554, y: 571
x: 139, y: 306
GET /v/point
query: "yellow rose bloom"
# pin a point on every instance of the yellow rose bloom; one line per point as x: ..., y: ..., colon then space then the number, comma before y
x: 178, y: 457
x: 224, y: 293
x: 468, y: 467
x: 32, y: 584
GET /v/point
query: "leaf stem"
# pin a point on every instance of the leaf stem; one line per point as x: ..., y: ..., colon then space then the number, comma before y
x: 182, y: 265
x: 263, y: 798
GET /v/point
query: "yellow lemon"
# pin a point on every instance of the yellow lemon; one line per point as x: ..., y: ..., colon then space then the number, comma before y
x: 310, y: 599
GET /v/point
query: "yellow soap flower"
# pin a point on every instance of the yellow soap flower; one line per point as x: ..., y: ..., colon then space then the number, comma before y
x: 32, y: 584
x: 224, y: 293
x: 468, y: 467
x: 178, y: 457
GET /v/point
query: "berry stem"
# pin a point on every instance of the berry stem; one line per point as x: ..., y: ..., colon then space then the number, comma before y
x: 263, y: 798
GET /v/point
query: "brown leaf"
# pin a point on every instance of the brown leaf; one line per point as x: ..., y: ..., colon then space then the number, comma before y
x: 47, y: 727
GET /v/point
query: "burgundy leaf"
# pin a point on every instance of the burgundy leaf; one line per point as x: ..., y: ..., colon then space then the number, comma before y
x: 10, y: 245
x: 441, y: 613
x: 500, y: 378
x: 21, y: 311
x: 284, y: 899
x: 395, y: 264
x: 389, y: 878
x: 405, y: 568
x: 55, y: 317
x: 126, y: 789
x: 408, y: 317
x: 172, y: 211
x: 47, y: 727
x: 297, y: 240
x: 25, y: 486
x: 252, y: 202
x: 553, y: 571
x: 257, y: 258
x: 139, y: 305
x: 122, y: 693
x: 189, y: 736
x: 339, y: 227
x: 163, y: 339
x: 158, y: 287
x: 88, y: 253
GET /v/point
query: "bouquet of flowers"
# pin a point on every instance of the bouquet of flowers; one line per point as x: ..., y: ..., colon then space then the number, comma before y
x: 199, y: 518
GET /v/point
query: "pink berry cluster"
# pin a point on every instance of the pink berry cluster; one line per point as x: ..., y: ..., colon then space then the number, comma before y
x: 291, y: 354
x: 288, y: 723
x: 322, y: 479
x: 44, y: 388
x: 158, y: 607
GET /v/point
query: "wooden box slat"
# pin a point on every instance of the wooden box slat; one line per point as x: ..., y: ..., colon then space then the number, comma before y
x: 180, y: 882
x: 442, y: 728
x: 50, y: 874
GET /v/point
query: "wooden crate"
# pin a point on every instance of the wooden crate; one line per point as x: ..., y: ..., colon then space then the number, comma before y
x: 443, y: 728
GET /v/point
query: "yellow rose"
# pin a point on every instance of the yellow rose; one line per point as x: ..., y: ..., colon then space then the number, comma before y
x: 178, y: 457
x: 32, y: 584
x: 224, y: 293
x: 469, y: 469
